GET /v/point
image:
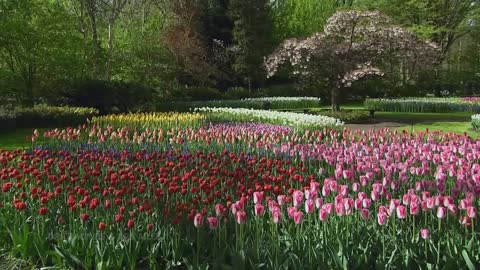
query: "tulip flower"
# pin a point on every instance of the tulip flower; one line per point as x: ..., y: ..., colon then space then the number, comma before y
x: 401, y: 212
x: 381, y: 219
x: 198, y: 220
x: 471, y: 212
x: 298, y: 217
x: 212, y: 223
x: 259, y: 210
x: 276, y: 216
x: 241, y: 217
x: 425, y: 234
x: 441, y: 212
x: 309, y: 206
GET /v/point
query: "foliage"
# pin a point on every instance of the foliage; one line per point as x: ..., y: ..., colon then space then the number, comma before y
x: 7, y: 119
x: 237, y: 93
x: 249, y: 103
x: 48, y: 116
x: 202, y: 93
x: 252, y: 35
x: 352, y: 43
x: 109, y: 96
x: 348, y: 116
x: 423, y: 105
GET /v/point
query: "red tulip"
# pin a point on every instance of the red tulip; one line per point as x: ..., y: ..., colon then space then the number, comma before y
x: 84, y: 216
x: 130, y: 223
x: 101, y: 226
x: 43, y: 211
x: 149, y: 226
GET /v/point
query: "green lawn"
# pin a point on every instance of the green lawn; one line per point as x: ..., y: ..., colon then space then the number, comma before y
x: 17, y: 138
x: 456, y: 127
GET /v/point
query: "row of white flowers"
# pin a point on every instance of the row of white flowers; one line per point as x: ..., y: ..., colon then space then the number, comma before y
x: 299, y: 120
x: 423, y: 105
x: 280, y: 99
x: 476, y: 121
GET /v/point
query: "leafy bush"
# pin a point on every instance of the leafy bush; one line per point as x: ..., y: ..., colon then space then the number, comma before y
x: 47, y: 116
x: 348, y: 116
x: 433, y: 105
x: 249, y: 103
x: 203, y: 93
x: 237, y: 93
x: 109, y: 96
x: 7, y: 119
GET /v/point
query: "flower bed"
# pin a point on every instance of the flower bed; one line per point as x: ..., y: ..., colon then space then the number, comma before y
x: 242, y: 194
x: 419, y: 105
x: 476, y: 122
x: 297, y: 120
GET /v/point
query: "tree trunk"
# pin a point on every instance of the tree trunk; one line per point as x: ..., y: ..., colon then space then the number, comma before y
x: 109, y: 52
x: 91, y: 9
x: 334, y: 99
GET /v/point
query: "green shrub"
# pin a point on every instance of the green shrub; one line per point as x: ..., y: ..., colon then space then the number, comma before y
x: 423, y: 105
x: 109, y: 96
x: 237, y: 93
x: 7, y: 119
x: 47, y: 116
x: 202, y: 93
x: 348, y: 116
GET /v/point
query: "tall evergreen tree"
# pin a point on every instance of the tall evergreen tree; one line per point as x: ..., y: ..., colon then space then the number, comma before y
x: 252, y: 33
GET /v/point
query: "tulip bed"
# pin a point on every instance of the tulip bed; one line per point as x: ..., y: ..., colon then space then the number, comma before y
x: 241, y: 196
x: 424, y: 105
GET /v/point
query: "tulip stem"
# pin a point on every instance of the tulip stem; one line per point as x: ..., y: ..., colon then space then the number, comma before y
x: 439, y: 242
x: 197, y: 263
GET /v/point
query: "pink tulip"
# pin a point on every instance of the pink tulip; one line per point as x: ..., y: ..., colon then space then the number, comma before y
x: 471, y: 212
x: 414, y: 209
x: 298, y: 217
x: 452, y: 208
x: 464, y: 204
x: 366, y: 203
x: 425, y: 234
x: 447, y: 200
x: 241, y: 217
x: 340, y: 209
x: 328, y: 207
x: 362, y: 195
x: 297, y: 198
x: 198, y: 220
x: 381, y: 219
x: 234, y: 208
x: 401, y: 212
x: 309, y: 206
x: 291, y: 211
x: 365, y: 213
x: 281, y: 199
x: 212, y: 222
x: 272, y: 204
x: 358, y: 204
x: 430, y: 203
x: 356, y: 187
x: 318, y: 203
x: 259, y: 210
x: 438, y: 200
x: 257, y: 197
x: 343, y: 190
x: 406, y: 199
x: 314, y: 186
x: 276, y: 216
x: 323, y: 214
x: 441, y: 212
x: 375, y: 195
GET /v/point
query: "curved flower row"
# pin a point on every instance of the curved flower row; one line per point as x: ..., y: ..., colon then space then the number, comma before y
x: 297, y: 120
x: 434, y: 105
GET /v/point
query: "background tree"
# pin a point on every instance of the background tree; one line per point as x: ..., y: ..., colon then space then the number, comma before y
x: 351, y: 47
x: 252, y: 35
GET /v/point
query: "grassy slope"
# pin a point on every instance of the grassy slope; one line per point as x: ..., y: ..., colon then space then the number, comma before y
x: 17, y: 138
